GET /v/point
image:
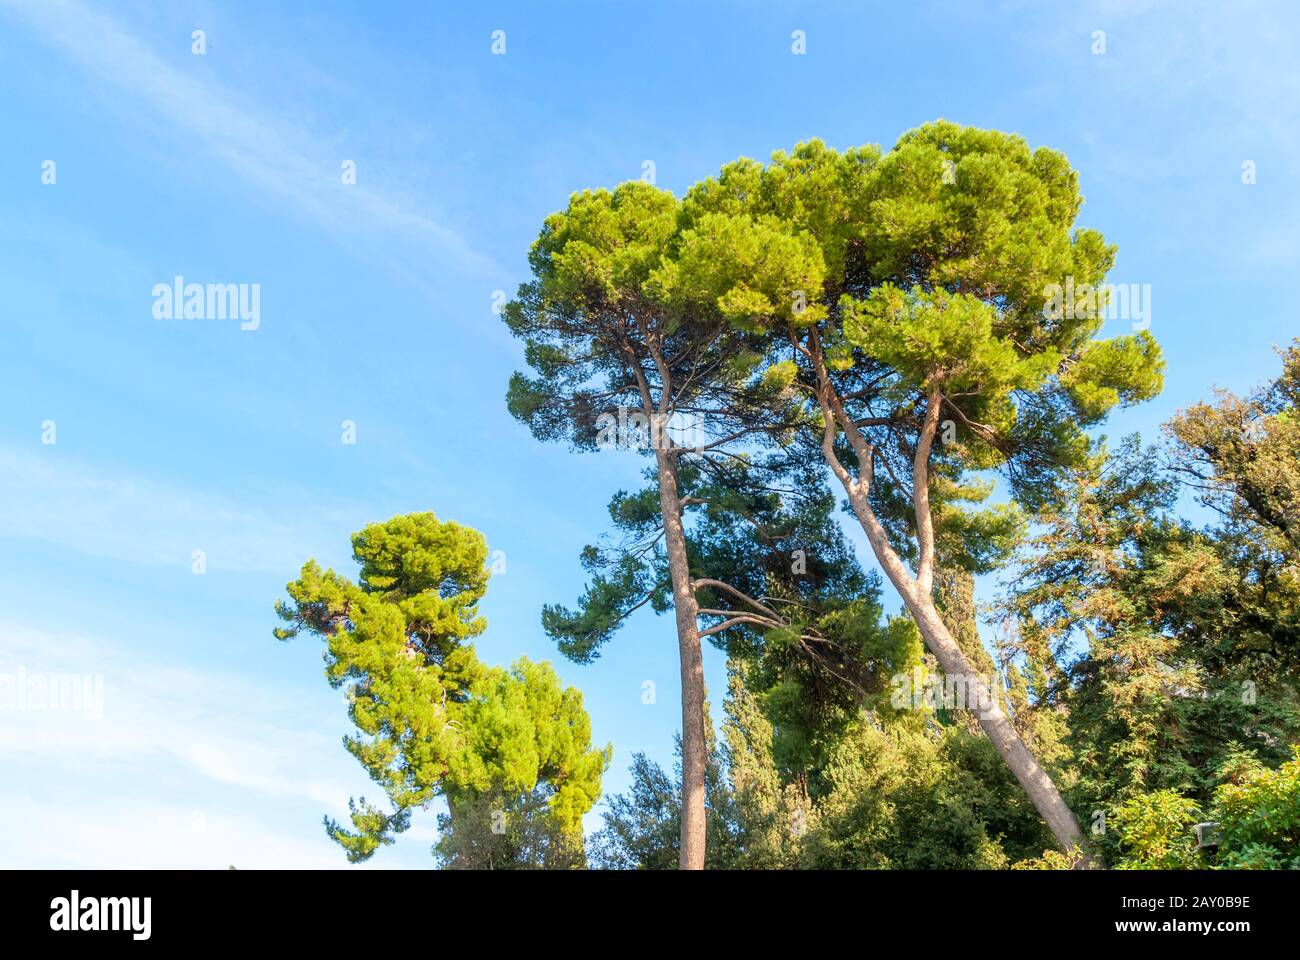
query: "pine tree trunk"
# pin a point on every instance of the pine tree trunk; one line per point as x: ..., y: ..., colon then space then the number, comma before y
x: 992, y: 719
x: 694, y: 741
x: 998, y: 728
x: 917, y: 594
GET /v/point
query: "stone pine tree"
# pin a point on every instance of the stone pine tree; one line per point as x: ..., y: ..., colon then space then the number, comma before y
x: 508, y: 750
x: 949, y: 319
x: 626, y: 353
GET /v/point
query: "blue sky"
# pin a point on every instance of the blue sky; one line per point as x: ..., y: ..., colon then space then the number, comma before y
x: 217, y: 744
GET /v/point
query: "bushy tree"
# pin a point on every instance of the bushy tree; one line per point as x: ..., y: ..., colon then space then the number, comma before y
x: 508, y: 750
x: 1169, y: 648
x: 1241, y: 455
x: 895, y: 790
x: 1258, y: 814
x: 642, y: 828
x: 1251, y: 823
x: 904, y: 796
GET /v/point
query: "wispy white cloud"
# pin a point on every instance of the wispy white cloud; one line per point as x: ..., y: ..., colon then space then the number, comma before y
x: 181, y: 768
x: 91, y: 833
x: 290, y: 163
x: 223, y: 727
x: 1186, y: 91
x: 122, y: 516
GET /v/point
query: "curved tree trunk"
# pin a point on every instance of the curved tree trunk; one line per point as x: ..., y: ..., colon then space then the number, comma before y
x: 917, y: 594
x: 992, y: 719
x: 997, y: 726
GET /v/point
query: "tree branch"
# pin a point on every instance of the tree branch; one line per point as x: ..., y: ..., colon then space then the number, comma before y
x: 921, y: 492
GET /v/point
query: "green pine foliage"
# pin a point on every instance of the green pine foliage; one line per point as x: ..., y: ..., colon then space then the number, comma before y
x: 508, y: 750
x: 1169, y: 649
x: 915, y: 322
